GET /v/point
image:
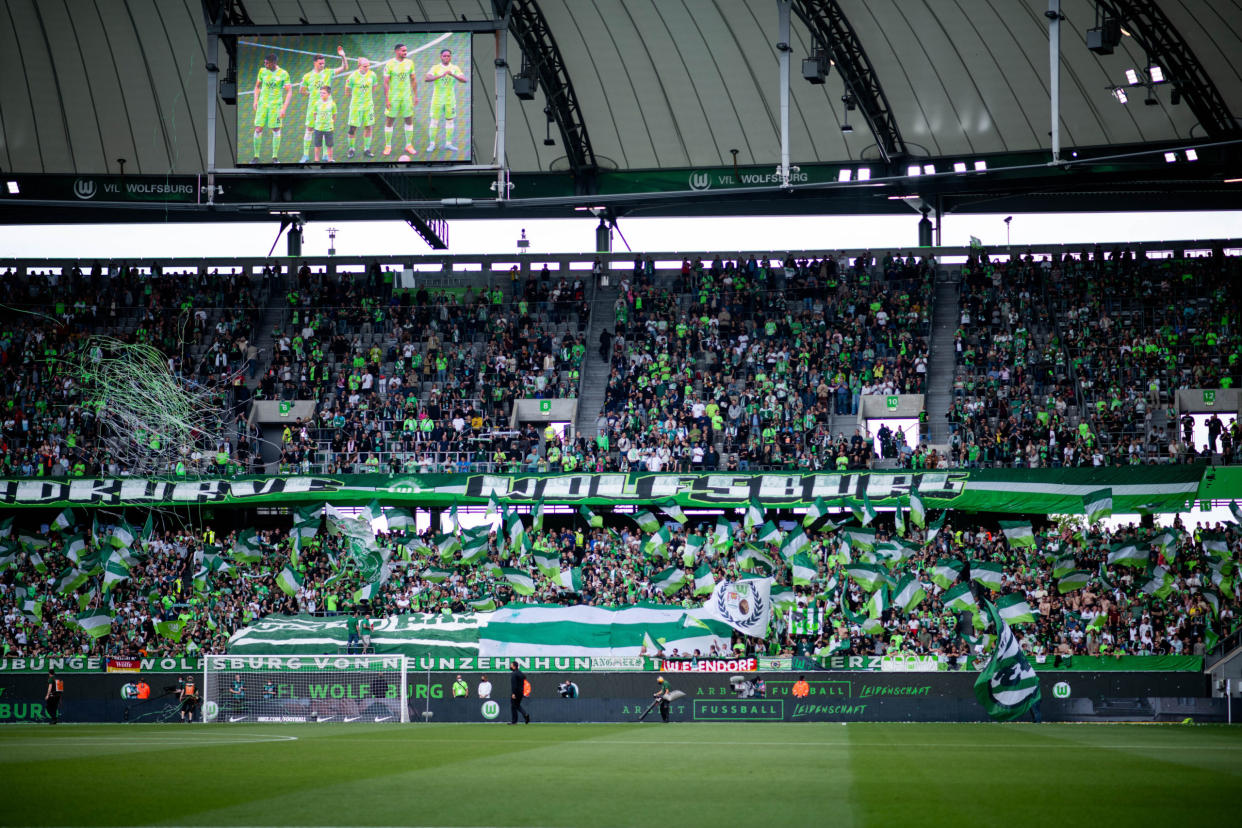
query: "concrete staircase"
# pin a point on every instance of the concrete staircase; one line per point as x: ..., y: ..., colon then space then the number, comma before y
x: 941, y: 361
x: 594, y: 369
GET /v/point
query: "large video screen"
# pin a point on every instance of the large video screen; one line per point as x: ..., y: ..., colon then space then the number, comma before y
x: 354, y: 99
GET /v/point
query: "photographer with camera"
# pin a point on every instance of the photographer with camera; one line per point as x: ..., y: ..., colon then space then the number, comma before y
x: 567, y: 690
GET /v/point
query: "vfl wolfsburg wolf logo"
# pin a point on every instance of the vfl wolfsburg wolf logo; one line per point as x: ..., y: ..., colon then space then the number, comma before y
x: 740, y: 605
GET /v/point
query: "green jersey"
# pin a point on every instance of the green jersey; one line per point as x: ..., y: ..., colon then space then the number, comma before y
x: 322, y: 115
x: 399, y: 73
x: 312, y: 82
x: 442, y: 86
x: 361, y: 90
x: 272, y: 85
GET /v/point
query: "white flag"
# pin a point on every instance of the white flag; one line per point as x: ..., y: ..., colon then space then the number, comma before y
x: 746, y: 605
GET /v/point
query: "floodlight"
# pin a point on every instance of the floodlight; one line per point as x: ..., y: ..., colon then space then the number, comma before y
x: 1132, y: 77
x: 847, y: 128
x: 929, y: 169
x: 14, y: 189
x: 864, y: 174
x: 844, y: 175
x: 1191, y: 155
x: 959, y: 166
x: 1120, y: 95
x: 1156, y: 74
x: 1170, y: 157
x: 914, y: 169
x: 981, y: 166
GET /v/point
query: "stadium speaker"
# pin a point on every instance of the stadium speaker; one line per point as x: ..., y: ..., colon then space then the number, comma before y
x: 813, y: 70
x: 1106, y: 37
x: 524, y: 87
x: 228, y: 91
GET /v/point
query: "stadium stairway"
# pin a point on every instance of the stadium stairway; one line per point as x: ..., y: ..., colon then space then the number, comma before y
x: 942, y: 361
x: 594, y: 369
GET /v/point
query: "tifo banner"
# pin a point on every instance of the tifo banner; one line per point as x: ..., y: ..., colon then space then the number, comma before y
x: 531, y: 630
x: 1152, y: 488
x: 430, y: 635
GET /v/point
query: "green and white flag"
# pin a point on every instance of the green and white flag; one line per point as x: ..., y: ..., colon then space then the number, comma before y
x: 1165, y: 543
x: 918, y: 512
x: 750, y: 556
x: 288, y: 580
x: 704, y: 581
x: 768, y: 533
x: 652, y: 645
x: 793, y: 543
x: 946, y: 571
x: 400, y: 520
x: 783, y: 599
x: 879, y: 602
x: 547, y: 561
x: 670, y: 508
x: 474, y: 550
x: 960, y: 598
x: 446, y: 544
x: 1019, y: 533
x: 908, y: 593
x: 247, y: 548
x: 8, y: 556
x: 1097, y: 505
x: 933, y: 529
x: 1213, y: 601
x: 36, y: 560
x: 485, y: 604
x: 1127, y: 553
x: 1007, y: 687
x: 96, y: 623
x: 148, y: 532
x: 32, y: 608
x: 657, y: 545
x: 647, y: 522
x: 1073, y: 580
x: 536, y: 516
x: 669, y: 580
x: 115, y: 570
x: 31, y: 540
x: 593, y: 520
x: 514, y: 528
x: 865, y: 513
x: 122, y: 536
x: 62, y: 521
x: 569, y: 579
x: 696, y: 544
x: 1234, y: 509
x: 493, y: 506
x: 170, y: 629
x: 861, y: 539
x: 1015, y: 610
x: 991, y: 575
x: 1160, y: 584
x: 366, y: 593
x: 899, y: 521
x: 804, y: 569
x: 519, y: 579
x: 1063, y: 566
x: 867, y: 576
x: 1215, y: 543
x: 754, y: 514
x: 75, y: 548
x: 722, y: 533
x: 70, y: 580
x: 435, y: 574
x: 306, y: 521
x: 818, y: 510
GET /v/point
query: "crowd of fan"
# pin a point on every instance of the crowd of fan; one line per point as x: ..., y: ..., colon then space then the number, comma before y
x: 743, y: 364
x: 202, y: 323
x: 172, y: 582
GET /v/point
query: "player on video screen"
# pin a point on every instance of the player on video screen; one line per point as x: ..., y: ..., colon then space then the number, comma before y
x: 360, y: 100
x: 312, y: 82
x: 323, y: 118
x: 269, y: 106
x: 443, y: 76
x: 400, y: 98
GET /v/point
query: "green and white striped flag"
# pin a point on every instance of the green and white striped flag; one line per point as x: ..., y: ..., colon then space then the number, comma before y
x: 704, y: 581
x: 96, y: 623
x: 246, y: 547
x: 669, y: 580
x: 435, y: 574
x: 62, y: 521
x: 493, y: 506
x: 148, y: 532
x: 32, y: 608
x: 991, y: 575
x: 647, y: 522
x: 722, y: 533
x: 474, y: 549
x: 657, y: 545
x: 1127, y: 553
x: 783, y: 598
x: 1073, y: 580
x: 122, y: 536
x: 933, y: 529
x: 899, y: 521
x: 696, y: 544
x: 75, y: 548
x: 1015, y: 609
x: 70, y: 580
x: 754, y: 514
x: 804, y: 569
x: 1215, y: 543
x: 1165, y: 543
x: 1097, y: 505
x: 1160, y: 584
x: 960, y: 598
x: 446, y: 544
x: 547, y: 561
x: 115, y: 570
x: 1007, y: 687
x: 946, y: 571
x: 867, y: 576
x: 400, y: 520
x: 32, y: 540
x: 306, y: 521
x: 1064, y: 565
x: 1213, y: 601
x: 768, y: 533
x: 861, y: 539
x: 569, y: 579
x: 670, y: 508
x: 170, y: 629
x: 485, y: 604
x: 750, y: 556
x: 652, y: 645
x: 818, y: 510
x: 8, y: 556
x: 865, y: 513
x: 918, y: 512
x: 908, y: 593
x: 519, y: 579
x: 1019, y: 533
x: 514, y: 528
x: 793, y: 543
x: 366, y: 593
x: 593, y: 520
x: 289, y: 580
x: 536, y: 516
x: 879, y: 601
x: 36, y: 560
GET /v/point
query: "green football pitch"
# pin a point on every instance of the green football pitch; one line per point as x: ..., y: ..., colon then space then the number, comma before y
x: 709, y: 774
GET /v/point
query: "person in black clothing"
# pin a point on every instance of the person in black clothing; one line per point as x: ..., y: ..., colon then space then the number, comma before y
x: 662, y: 692
x: 55, y: 687
x: 517, y: 691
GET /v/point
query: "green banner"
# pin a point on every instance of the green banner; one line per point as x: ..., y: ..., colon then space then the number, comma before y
x: 431, y: 635
x: 1122, y: 664
x: 1148, y: 488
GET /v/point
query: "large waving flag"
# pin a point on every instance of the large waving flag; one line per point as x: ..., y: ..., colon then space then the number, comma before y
x: 669, y: 580
x: 1097, y: 505
x: 704, y: 580
x: 247, y: 549
x: 746, y: 606
x: 1015, y: 610
x: 400, y: 520
x: 908, y: 593
x: 794, y: 543
x: 536, y: 516
x: 1073, y: 580
x: 804, y: 569
x: 593, y: 520
x: 96, y: 623
x: 960, y: 598
x: 519, y: 579
x: 289, y: 581
x: 647, y: 522
x: 750, y: 556
x: 1007, y: 687
x: 722, y: 534
x: 945, y: 572
x: 991, y: 575
x: 862, y: 539
x: 818, y: 510
x: 657, y: 545
x: 569, y: 579
x: 1063, y: 566
x: 754, y: 514
x: 768, y: 533
x: 670, y: 508
x: 867, y: 576
x: 1127, y: 553
x: 474, y: 548
x: 547, y: 561
x: 918, y: 512
x: 1019, y: 533
x: 62, y: 521
x: 864, y: 513
x: 899, y: 521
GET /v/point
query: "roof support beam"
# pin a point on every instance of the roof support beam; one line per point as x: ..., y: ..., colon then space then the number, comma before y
x: 1155, y: 33
x: 541, y: 54
x: 834, y: 34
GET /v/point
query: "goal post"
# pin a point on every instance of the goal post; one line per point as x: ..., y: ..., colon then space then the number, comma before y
x: 305, y: 688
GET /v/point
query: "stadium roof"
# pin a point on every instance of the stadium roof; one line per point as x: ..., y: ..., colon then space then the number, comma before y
x: 660, y: 85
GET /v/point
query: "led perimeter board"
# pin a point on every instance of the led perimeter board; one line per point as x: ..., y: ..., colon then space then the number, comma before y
x: 354, y: 99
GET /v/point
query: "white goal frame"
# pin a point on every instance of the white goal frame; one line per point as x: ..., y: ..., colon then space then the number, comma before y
x: 313, y: 689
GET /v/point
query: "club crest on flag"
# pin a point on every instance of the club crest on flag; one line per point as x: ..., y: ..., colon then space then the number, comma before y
x: 738, y: 604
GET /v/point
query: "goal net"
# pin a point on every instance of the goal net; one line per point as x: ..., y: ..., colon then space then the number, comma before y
x: 304, y: 688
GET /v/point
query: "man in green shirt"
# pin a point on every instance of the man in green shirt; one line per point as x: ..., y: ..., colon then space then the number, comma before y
x: 269, y: 106
x: 313, y: 81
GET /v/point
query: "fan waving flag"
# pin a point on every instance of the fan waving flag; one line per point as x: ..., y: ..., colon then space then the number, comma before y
x: 1098, y: 505
x: 936, y: 525
x: 990, y: 575
x: 768, y: 533
x: 918, y: 512
x: 945, y: 572
x: 865, y: 513
x: 704, y: 581
x: 899, y: 522
x: 593, y: 520
x: 960, y: 598
x: 1018, y: 532
x: 1127, y: 553
x: 793, y: 543
x: 908, y: 593
x: 669, y: 580
x: 1076, y: 579
x: 818, y: 510
x: 647, y: 522
x: 804, y: 570
x: 96, y: 623
x: 867, y: 576
x: 1015, y: 610
x: 62, y: 521
x: 670, y: 508
x: 569, y: 579
x: 745, y: 606
x: 1007, y: 687
x: 754, y: 514
x: 289, y: 581
x: 519, y: 579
